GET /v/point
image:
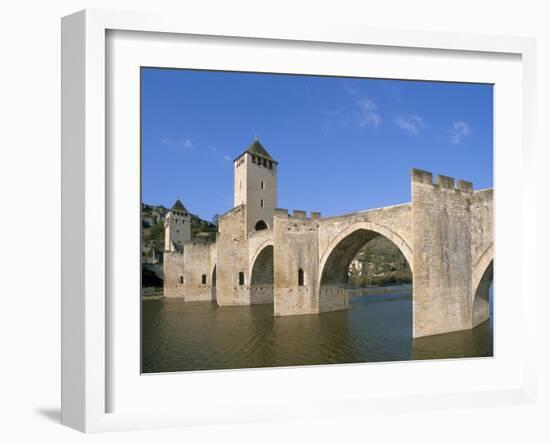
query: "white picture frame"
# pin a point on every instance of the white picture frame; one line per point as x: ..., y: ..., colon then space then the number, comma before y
x: 86, y: 206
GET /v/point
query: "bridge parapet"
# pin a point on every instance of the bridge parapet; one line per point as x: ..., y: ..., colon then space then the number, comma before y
x: 442, y: 182
x: 297, y: 214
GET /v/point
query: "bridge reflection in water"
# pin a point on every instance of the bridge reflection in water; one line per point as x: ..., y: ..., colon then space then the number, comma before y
x: 179, y: 336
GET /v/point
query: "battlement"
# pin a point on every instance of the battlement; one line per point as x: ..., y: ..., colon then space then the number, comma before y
x: 297, y: 214
x: 441, y: 182
x: 421, y: 176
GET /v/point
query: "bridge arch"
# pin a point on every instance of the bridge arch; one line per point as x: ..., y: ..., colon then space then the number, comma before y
x: 344, y: 247
x: 262, y: 275
x: 482, y: 278
x: 480, y: 267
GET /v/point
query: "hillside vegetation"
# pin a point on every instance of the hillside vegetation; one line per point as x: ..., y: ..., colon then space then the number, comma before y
x: 152, y: 230
x: 379, y: 262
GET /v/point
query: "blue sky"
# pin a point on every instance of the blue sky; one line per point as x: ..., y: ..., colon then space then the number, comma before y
x: 343, y: 144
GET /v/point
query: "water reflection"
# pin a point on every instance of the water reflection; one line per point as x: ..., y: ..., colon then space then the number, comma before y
x: 180, y: 336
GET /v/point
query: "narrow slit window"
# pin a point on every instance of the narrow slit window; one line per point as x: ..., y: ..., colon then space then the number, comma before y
x: 181, y: 279
x: 301, y: 277
x: 204, y: 279
x: 241, y: 278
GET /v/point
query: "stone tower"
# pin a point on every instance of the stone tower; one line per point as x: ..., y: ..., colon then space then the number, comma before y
x: 256, y: 186
x: 177, y: 228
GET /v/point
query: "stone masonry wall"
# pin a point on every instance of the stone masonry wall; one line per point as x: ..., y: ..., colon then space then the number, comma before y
x: 295, y: 247
x: 197, y: 276
x: 173, y: 269
x: 442, y: 260
x: 232, y: 259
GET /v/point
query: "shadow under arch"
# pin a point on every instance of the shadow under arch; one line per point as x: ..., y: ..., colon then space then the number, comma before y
x: 344, y: 247
x: 214, y: 289
x: 262, y: 276
x: 481, y: 307
x: 482, y: 279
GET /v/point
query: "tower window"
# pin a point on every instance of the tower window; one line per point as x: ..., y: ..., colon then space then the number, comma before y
x: 253, y: 159
x: 260, y: 225
x: 300, y: 277
x: 262, y: 185
x: 261, y: 203
x: 271, y: 164
x: 241, y: 278
x: 181, y: 279
x: 265, y: 162
x: 177, y: 231
x: 204, y: 279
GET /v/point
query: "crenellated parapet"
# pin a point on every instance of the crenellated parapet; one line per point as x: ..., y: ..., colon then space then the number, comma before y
x: 298, y: 221
x: 442, y: 182
x: 297, y: 214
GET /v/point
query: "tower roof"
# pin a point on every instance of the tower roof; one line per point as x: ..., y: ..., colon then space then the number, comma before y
x: 256, y: 148
x: 179, y: 206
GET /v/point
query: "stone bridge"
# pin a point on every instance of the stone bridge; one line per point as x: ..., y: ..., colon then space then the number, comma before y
x: 301, y: 263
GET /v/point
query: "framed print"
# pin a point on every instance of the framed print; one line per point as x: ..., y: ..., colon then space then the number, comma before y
x: 286, y: 222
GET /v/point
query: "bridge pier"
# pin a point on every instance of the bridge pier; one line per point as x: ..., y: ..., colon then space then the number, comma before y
x: 296, y: 250
x: 442, y: 261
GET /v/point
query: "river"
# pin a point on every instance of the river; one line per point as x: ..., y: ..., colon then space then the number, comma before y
x: 179, y: 336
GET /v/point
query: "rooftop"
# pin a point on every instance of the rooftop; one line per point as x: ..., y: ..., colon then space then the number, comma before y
x: 178, y: 206
x: 257, y: 149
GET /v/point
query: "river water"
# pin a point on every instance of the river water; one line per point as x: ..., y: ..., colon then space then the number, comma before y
x: 179, y: 336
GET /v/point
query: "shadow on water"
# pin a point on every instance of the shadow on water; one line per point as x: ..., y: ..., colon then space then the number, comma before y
x: 464, y: 344
x: 180, y: 336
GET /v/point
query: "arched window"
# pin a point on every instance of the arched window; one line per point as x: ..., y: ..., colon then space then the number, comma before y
x: 204, y: 279
x: 260, y: 225
x: 180, y: 279
x: 301, y: 277
x: 241, y: 278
